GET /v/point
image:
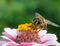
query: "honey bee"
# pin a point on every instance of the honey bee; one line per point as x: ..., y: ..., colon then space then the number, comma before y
x: 39, y: 22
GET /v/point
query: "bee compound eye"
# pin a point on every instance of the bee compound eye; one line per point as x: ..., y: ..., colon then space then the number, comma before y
x: 39, y: 22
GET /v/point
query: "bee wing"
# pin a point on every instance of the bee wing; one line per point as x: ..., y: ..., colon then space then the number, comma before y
x: 52, y: 23
x: 37, y: 14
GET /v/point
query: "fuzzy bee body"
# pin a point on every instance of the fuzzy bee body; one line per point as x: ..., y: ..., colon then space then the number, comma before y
x: 39, y: 22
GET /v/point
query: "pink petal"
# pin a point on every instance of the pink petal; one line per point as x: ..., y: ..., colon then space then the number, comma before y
x: 2, y: 42
x: 48, y: 37
x: 9, y: 36
x: 11, y: 33
x: 9, y: 44
x: 9, y: 40
x: 4, y: 37
x: 35, y: 44
x: 41, y: 33
x: 25, y: 44
x: 31, y: 44
x: 51, y: 42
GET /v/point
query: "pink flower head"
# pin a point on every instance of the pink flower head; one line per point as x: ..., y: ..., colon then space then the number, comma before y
x: 46, y: 39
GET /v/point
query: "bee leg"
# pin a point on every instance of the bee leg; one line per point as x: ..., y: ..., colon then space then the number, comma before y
x: 44, y: 28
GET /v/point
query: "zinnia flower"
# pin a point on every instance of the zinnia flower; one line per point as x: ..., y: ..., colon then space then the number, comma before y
x: 24, y: 35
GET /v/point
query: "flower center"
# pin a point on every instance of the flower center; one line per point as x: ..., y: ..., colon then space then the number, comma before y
x: 27, y: 34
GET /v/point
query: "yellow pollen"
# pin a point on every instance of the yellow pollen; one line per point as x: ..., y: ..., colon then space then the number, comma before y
x: 25, y: 27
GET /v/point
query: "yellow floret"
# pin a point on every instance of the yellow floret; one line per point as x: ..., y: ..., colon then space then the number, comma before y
x: 25, y: 27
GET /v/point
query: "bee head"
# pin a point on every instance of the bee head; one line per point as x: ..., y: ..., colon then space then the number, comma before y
x: 38, y: 20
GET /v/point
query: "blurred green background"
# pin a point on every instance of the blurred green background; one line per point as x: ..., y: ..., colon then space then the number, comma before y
x: 15, y: 12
